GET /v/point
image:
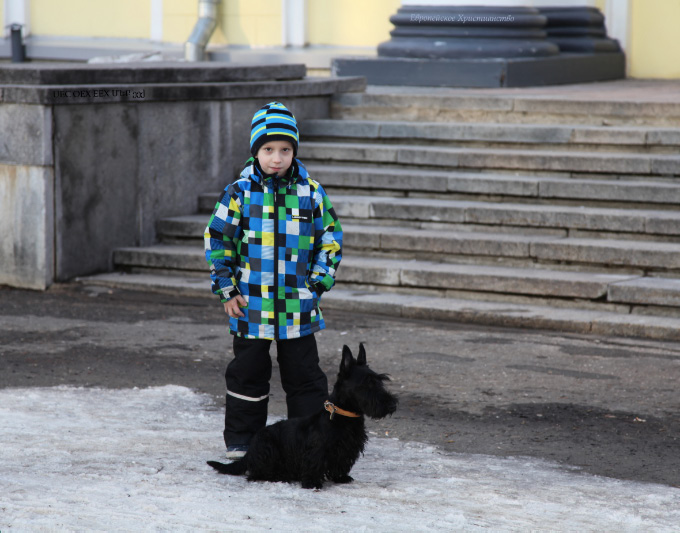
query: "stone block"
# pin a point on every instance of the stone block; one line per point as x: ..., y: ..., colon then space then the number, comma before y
x: 509, y: 280
x: 360, y: 238
x: 663, y: 223
x: 664, y: 137
x: 387, y: 179
x: 556, y: 160
x: 665, y: 165
x: 162, y: 257
x: 493, y: 184
x: 368, y: 271
x: 415, y: 209
x: 610, y: 252
x: 646, y: 291
x: 337, y: 128
x: 99, y: 205
x: 594, y: 135
x: 649, y: 327
x: 610, y: 190
x: 27, y: 222
x: 25, y: 134
x: 442, y: 157
x: 347, y: 206
x: 456, y: 243
x: 556, y: 217
x: 189, y: 226
x: 349, y: 152
x: 143, y: 73
x: 484, y: 71
x: 499, y: 314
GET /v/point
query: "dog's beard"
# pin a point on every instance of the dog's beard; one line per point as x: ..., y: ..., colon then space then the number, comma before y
x: 381, y: 405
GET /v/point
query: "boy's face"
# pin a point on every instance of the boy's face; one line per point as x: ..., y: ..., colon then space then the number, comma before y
x: 275, y: 157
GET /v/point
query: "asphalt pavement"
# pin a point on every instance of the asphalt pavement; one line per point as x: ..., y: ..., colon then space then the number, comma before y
x: 605, y: 405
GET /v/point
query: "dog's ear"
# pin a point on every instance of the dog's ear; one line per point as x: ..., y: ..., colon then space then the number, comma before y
x: 361, y: 359
x: 347, y: 361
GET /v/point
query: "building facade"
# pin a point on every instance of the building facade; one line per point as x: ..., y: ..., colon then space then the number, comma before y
x: 646, y: 29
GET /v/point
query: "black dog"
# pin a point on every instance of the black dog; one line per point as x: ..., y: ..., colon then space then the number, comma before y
x: 324, y: 445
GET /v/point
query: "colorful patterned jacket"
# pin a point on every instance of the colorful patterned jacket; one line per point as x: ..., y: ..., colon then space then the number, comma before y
x: 277, y: 242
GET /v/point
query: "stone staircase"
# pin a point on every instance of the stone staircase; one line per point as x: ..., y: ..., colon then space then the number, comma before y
x: 486, y: 210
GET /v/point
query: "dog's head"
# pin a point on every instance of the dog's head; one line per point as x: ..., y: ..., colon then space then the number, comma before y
x: 360, y: 389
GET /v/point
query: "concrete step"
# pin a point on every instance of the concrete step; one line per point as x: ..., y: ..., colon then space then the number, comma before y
x: 165, y: 257
x: 572, y: 105
x: 646, y: 291
x: 478, y: 278
x: 643, y: 223
x: 550, y: 136
x: 425, y: 274
x: 591, y: 163
x: 426, y: 307
x: 604, y: 253
x: 649, y: 256
x: 600, y: 219
x: 442, y: 244
x: 405, y: 181
x: 448, y: 244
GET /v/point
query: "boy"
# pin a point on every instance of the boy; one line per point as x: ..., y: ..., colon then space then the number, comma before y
x: 274, y: 244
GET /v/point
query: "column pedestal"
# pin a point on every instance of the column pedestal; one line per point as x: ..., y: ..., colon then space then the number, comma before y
x: 479, y: 46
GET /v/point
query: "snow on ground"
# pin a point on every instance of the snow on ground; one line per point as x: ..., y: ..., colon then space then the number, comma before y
x: 74, y: 459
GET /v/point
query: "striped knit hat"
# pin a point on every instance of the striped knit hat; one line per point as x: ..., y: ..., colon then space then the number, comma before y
x: 273, y: 122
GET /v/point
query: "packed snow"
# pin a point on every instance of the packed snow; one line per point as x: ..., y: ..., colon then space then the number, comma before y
x: 79, y: 459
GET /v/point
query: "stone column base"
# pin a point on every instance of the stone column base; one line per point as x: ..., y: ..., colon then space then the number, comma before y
x: 501, y: 72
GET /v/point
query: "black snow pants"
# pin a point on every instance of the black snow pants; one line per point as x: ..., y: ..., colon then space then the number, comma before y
x: 248, y: 376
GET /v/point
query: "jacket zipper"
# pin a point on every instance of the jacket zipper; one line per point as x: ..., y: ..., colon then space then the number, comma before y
x: 276, y: 258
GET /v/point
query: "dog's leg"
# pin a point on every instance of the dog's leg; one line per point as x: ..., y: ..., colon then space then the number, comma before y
x: 312, y: 474
x: 312, y: 482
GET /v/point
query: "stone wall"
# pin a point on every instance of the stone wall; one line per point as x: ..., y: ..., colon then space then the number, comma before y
x: 87, y: 167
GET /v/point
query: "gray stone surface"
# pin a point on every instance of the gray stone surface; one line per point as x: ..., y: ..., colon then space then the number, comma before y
x: 31, y: 73
x: 431, y: 275
x: 483, y: 72
x: 27, y: 222
x: 610, y: 252
x: 350, y: 152
x: 556, y: 216
x: 630, y: 102
x: 544, y: 134
x: 120, y: 167
x: 163, y: 257
x: 666, y: 165
x: 169, y: 92
x: 449, y: 310
x: 485, y: 158
x: 634, y: 191
x: 666, y: 136
x: 513, y: 214
x: 98, y: 201
x: 25, y: 134
x: 186, y: 226
x: 394, y: 179
x: 651, y: 327
x: 646, y: 291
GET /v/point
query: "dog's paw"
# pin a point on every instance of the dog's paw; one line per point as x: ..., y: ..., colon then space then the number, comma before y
x: 312, y: 484
x: 343, y: 479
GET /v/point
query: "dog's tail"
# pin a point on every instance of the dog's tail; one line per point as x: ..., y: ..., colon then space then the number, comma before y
x: 237, y: 468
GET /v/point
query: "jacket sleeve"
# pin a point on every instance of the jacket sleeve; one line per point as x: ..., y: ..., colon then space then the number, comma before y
x: 327, y: 243
x: 221, y: 236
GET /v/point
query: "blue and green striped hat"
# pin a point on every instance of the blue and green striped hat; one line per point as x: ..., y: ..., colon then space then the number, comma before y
x: 273, y: 122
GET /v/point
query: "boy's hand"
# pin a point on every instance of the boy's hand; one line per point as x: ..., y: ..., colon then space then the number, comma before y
x: 233, y: 306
